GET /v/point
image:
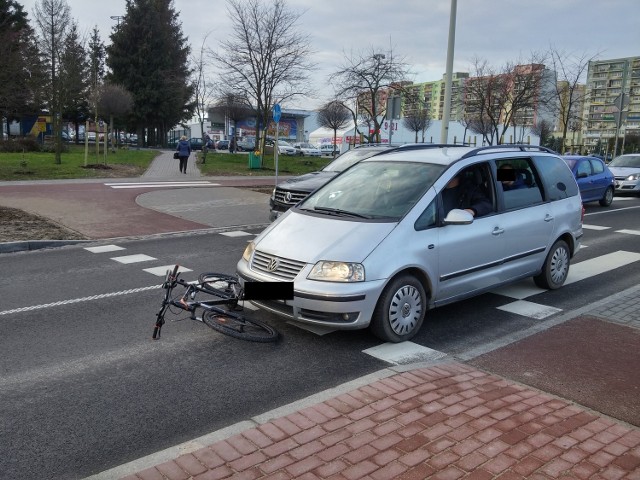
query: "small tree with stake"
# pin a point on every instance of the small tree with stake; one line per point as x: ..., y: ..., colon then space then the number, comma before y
x: 334, y: 115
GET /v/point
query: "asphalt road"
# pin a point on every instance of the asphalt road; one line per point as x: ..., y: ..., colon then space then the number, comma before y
x: 85, y: 389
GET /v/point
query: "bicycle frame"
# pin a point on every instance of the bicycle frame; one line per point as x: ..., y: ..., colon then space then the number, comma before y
x: 191, y: 306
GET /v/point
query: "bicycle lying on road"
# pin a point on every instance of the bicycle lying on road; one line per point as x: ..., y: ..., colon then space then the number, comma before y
x: 221, y: 291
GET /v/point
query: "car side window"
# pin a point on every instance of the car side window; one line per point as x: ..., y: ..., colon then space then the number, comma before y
x: 558, y: 181
x: 596, y: 166
x: 427, y: 219
x: 519, y: 182
x: 583, y: 170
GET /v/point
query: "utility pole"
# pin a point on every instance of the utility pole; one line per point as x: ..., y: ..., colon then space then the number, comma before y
x: 444, y: 131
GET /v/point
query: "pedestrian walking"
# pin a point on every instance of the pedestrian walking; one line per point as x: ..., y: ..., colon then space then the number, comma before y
x: 184, y: 150
x: 232, y: 145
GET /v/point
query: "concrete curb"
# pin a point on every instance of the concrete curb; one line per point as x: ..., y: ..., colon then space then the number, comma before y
x: 10, y: 247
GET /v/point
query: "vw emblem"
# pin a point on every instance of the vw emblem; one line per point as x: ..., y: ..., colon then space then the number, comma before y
x: 287, y: 197
x: 273, y: 265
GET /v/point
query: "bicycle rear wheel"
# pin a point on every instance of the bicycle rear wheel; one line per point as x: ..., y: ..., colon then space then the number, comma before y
x: 242, y: 328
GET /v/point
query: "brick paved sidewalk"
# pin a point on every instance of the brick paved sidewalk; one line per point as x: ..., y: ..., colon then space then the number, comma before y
x: 449, y: 421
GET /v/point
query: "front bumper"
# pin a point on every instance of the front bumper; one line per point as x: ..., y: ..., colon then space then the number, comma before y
x: 627, y: 186
x: 344, y: 306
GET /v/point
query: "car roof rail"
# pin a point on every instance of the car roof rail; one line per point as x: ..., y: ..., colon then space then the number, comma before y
x: 509, y: 146
x: 418, y: 146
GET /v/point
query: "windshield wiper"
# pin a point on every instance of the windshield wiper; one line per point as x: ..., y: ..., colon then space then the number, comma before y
x: 339, y: 212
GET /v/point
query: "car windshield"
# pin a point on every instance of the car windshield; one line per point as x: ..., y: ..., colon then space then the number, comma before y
x: 306, y: 145
x: 626, y: 161
x: 282, y: 143
x: 570, y: 161
x: 349, y: 158
x: 374, y: 190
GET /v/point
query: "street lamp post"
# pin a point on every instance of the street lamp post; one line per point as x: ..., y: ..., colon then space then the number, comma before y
x: 117, y: 18
x: 444, y: 131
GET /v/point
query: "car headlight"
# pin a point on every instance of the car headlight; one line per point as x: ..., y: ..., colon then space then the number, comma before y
x: 633, y: 177
x: 246, y: 256
x: 337, y: 272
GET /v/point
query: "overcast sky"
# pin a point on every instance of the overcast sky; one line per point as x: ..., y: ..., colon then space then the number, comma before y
x: 498, y: 31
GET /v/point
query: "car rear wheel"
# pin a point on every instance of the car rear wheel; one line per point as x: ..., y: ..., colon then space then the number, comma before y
x: 555, y: 268
x: 400, y: 311
x: 606, y: 200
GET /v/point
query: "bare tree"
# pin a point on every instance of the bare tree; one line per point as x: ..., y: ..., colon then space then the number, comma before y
x: 369, y: 77
x: 334, y: 115
x: 265, y: 56
x: 417, y: 121
x: 569, y: 92
x: 233, y: 106
x: 542, y: 129
x: 204, y: 89
x: 495, y: 100
x: 53, y: 18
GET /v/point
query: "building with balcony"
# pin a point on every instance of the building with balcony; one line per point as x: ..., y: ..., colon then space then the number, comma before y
x: 612, y: 101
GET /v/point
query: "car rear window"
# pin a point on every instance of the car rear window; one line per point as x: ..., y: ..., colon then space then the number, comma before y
x: 557, y: 179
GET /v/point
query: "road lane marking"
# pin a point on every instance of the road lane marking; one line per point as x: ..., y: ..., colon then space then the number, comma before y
x: 133, y: 258
x: 594, y: 227
x: 630, y: 232
x: 237, y: 233
x: 79, y: 300
x: 104, y: 248
x: 601, y: 264
x: 162, y: 271
x: 530, y: 309
x: 163, y: 184
x: 404, y: 353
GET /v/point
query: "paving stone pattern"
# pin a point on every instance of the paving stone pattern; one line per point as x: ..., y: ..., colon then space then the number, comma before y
x: 449, y: 421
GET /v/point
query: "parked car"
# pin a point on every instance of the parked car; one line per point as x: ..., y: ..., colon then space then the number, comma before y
x: 329, y: 149
x: 284, y: 148
x: 626, y: 170
x: 374, y: 248
x: 594, y: 179
x: 245, y: 146
x: 222, y: 145
x: 196, y: 143
x: 307, y: 150
x: 292, y: 191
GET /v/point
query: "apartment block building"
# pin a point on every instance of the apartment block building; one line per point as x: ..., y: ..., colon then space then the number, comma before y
x: 612, y: 101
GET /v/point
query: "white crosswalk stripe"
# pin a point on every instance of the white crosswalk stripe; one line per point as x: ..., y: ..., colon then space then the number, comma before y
x: 197, y: 183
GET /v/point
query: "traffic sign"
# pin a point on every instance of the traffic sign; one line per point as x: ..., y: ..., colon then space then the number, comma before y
x: 277, y: 112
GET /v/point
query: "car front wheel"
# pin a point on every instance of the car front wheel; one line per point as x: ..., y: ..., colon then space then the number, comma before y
x: 400, y: 311
x: 555, y: 268
x: 606, y: 200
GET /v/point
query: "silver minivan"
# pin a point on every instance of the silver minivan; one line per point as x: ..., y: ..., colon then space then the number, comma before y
x: 418, y: 227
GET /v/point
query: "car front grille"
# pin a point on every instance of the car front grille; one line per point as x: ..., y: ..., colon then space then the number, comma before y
x: 289, y: 197
x: 278, y: 267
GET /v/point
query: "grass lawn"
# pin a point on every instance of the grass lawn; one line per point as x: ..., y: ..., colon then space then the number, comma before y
x: 42, y: 166
x: 133, y: 162
x: 238, y: 164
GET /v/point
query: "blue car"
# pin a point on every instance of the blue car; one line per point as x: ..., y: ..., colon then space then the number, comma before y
x: 594, y: 178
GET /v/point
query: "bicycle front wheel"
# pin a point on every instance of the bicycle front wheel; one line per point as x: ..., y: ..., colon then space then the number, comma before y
x: 242, y: 328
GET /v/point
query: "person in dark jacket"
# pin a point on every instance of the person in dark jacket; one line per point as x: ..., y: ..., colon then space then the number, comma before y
x: 466, y: 196
x: 184, y: 150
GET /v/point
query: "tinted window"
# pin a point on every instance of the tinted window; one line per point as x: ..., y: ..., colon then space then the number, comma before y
x: 584, y: 169
x: 597, y: 166
x: 521, y: 187
x: 557, y: 179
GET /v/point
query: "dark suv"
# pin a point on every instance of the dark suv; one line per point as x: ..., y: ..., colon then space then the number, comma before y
x: 288, y: 193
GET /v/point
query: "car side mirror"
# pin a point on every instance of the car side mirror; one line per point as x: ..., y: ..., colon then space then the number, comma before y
x: 458, y: 217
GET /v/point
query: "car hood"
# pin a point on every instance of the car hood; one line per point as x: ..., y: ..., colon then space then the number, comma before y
x: 624, y: 171
x: 309, y: 238
x: 307, y: 182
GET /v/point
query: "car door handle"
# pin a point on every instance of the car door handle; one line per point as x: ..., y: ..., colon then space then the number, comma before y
x: 548, y: 218
x: 497, y: 231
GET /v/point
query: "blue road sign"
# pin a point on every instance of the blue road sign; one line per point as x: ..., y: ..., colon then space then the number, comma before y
x: 277, y: 112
